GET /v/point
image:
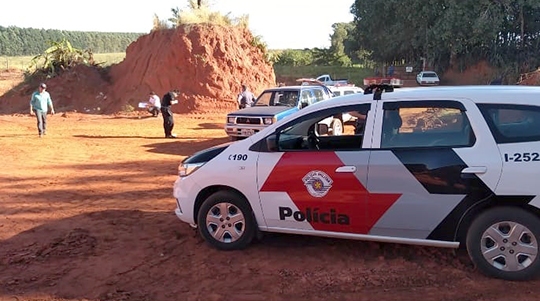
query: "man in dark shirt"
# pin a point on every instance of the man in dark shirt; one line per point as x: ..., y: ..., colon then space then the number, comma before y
x: 167, y: 101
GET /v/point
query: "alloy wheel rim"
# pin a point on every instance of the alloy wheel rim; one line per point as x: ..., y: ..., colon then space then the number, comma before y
x: 509, y: 246
x: 225, y: 222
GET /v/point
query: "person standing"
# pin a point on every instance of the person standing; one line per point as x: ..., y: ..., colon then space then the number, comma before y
x: 39, y: 104
x: 167, y: 101
x: 155, y: 104
x: 245, y: 98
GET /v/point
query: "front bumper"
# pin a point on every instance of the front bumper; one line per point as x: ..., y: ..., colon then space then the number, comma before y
x: 242, y: 130
x: 185, y: 192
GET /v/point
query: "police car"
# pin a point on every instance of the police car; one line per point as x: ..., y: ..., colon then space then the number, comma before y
x: 442, y: 167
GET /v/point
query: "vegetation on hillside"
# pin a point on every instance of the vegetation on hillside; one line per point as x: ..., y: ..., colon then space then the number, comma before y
x: 60, y: 56
x: 16, y: 41
x: 200, y: 12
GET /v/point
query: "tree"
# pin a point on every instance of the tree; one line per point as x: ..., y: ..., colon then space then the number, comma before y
x: 449, y: 33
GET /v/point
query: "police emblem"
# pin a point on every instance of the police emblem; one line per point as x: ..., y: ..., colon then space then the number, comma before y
x: 318, y: 183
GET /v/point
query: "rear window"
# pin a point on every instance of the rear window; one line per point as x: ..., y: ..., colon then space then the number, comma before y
x: 512, y: 123
x: 429, y: 75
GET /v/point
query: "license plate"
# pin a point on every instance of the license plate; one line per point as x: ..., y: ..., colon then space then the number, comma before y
x: 247, y: 132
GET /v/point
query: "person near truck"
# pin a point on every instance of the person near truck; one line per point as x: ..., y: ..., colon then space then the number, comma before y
x: 245, y: 98
x: 39, y: 104
x: 167, y: 101
x: 155, y: 104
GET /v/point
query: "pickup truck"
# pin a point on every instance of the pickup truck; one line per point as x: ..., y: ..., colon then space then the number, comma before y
x: 327, y: 80
x: 272, y: 105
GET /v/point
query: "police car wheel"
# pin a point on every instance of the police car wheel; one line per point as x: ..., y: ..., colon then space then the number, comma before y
x: 226, y: 221
x: 503, y: 242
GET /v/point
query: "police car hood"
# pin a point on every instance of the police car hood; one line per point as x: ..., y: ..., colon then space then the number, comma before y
x: 260, y: 111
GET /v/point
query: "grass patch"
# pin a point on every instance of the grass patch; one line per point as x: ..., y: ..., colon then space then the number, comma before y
x: 23, y: 62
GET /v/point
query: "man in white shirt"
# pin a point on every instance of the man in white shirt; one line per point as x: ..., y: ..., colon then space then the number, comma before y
x: 155, y: 104
x: 245, y: 98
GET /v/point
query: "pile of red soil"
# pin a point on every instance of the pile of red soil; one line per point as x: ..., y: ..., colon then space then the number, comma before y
x: 481, y: 73
x: 530, y: 79
x: 207, y: 63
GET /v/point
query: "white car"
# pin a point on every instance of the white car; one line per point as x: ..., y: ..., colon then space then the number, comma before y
x: 427, y: 78
x: 341, y: 90
x: 440, y: 167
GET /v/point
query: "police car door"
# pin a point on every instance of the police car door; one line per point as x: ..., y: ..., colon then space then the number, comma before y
x: 431, y: 167
x: 312, y: 181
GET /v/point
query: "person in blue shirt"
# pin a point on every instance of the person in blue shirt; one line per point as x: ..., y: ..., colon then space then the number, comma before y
x: 39, y: 104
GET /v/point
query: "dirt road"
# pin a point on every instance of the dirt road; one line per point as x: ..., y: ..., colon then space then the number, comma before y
x: 86, y: 213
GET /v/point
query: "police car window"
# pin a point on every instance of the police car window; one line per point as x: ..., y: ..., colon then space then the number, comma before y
x: 319, y: 95
x: 337, y: 129
x: 426, y: 127
x: 337, y: 93
x: 512, y: 123
x: 306, y: 97
x: 264, y: 99
x: 285, y: 98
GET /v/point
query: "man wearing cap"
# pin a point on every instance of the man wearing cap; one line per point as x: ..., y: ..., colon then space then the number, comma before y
x: 39, y: 104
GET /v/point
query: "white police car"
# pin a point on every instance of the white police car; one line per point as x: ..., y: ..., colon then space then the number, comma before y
x: 444, y: 167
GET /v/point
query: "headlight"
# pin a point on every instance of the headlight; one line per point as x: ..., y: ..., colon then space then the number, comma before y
x: 230, y: 119
x: 185, y: 169
x: 268, y: 121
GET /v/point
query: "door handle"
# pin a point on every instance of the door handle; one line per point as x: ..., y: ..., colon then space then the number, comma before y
x: 346, y: 169
x: 474, y: 170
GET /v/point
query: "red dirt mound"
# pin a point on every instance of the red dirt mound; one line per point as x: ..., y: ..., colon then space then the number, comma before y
x: 208, y: 63
x: 479, y: 74
x: 530, y: 79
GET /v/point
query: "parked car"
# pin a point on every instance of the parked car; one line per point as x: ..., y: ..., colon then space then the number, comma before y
x: 272, y: 105
x: 329, y: 81
x: 427, y: 78
x: 340, y: 90
x: 440, y: 167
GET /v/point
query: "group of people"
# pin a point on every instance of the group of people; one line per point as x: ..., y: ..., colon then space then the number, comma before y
x: 163, y: 105
x: 41, y: 101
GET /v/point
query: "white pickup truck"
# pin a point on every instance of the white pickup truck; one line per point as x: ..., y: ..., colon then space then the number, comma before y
x: 328, y: 81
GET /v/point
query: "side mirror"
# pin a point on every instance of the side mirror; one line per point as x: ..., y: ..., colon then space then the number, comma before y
x: 303, y: 105
x: 271, y: 143
x: 322, y: 129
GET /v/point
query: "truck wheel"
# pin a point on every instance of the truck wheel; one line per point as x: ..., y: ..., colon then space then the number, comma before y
x: 503, y: 243
x: 226, y: 221
x: 337, y: 127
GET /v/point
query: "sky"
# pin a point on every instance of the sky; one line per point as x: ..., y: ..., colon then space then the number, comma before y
x: 281, y: 24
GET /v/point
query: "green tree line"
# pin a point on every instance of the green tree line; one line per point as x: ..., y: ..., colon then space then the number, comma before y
x: 16, y: 41
x: 448, y: 33
x: 443, y: 34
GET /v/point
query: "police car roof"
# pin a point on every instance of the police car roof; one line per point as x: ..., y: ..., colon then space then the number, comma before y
x: 479, y: 94
x: 290, y: 88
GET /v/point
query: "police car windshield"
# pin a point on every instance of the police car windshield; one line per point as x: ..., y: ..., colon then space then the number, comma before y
x: 278, y: 98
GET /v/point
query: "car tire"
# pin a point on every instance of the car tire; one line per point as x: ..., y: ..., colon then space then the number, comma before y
x: 225, y: 220
x: 503, y: 242
x: 337, y: 127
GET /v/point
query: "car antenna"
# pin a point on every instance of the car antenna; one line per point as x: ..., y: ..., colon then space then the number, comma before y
x: 377, y: 90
